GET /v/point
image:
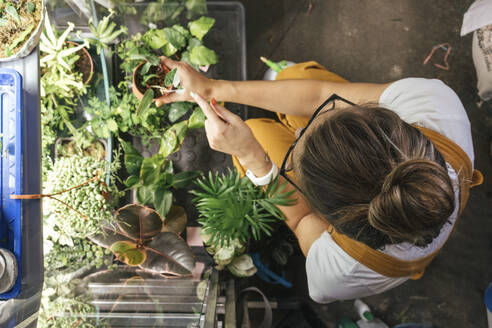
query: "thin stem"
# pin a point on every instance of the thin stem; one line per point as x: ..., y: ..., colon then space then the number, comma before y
x: 38, y: 196
x: 70, y: 207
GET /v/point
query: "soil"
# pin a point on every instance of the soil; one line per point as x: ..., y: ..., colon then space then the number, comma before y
x: 159, y: 80
x: 13, y: 29
x: 84, y: 64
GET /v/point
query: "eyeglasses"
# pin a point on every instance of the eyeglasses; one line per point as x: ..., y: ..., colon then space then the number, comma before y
x: 287, y: 163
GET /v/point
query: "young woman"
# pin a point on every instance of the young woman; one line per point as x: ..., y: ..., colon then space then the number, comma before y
x: 381, y: 171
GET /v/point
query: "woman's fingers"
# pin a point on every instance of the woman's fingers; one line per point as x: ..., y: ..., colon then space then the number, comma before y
x: 169, y: 62
x: 223, y: 112
x: 178, y: 95
x: 207, y: 109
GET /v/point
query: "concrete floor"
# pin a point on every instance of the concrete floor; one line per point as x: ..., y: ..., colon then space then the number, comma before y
x: 382, y: 41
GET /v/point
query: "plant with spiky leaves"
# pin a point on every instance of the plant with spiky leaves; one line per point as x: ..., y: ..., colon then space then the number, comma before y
x: 232, y: 208
x: 105, y: 32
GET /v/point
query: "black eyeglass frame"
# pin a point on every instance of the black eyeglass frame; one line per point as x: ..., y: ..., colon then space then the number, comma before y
x: 332, y: 98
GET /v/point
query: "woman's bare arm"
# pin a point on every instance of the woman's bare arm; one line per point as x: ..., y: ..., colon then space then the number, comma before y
x: 293, y: 97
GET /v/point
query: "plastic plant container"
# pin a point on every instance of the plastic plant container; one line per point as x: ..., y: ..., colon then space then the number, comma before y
x: 20, y: 222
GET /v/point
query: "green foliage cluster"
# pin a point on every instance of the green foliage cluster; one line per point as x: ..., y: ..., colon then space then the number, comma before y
x: 154, y: 178
x: 86, y: 211
x: 162, y: 12
x: 232, y: 207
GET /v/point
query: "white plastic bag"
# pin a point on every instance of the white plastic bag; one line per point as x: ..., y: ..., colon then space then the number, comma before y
x: 482, y: 58
x: 478, y: 18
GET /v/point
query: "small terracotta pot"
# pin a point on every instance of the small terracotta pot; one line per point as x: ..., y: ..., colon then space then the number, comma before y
x: 87, y: 76
x: 136, y: 90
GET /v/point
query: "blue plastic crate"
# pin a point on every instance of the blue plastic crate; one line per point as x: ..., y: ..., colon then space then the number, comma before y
x: 11, y: 129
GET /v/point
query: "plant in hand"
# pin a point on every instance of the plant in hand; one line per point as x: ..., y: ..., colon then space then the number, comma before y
x: 140, y: 54
x: 139, y: 239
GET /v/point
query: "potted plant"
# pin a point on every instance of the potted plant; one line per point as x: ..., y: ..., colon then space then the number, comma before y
x: 177, y: 42
x: 248, y: 211
x: 139, y: 238
x: 21, y: 24
x: 153, y: 78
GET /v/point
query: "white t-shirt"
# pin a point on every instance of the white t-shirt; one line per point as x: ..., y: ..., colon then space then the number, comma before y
x: 334, y: 275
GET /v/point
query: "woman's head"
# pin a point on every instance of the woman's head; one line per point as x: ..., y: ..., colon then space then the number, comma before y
x: 374, y: 177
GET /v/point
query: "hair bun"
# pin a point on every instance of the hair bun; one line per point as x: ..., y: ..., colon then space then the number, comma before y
x: 415, y: 197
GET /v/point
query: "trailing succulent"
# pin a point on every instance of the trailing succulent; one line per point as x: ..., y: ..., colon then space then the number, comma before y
x: 232, y: 212
x: 84, y: 199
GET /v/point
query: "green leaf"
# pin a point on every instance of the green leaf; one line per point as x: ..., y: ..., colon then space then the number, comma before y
x: 163, y: 200
x: 112, y: 125
x: 166, y: 180
x: 145, y: 68
x: 201, y: 26
x: 202, y: 56
x: 19, y: 39
x: 146, y: 102
x: 183, y: 179
x: 155, y: 39
x: 9, y: 9
x: 132, y: 181
x: 196, y: 7
x: 169, y: 143
x: 30, y: 7
x: 194, y: 42
x: 168, y: 80
x: 175, y: 37
x: 185, y: 56
x: 180, y: 130
x: 3, y: 22
x: 197, y: 119
x: 178, y: 109
x: 133, y: 159
x: 122, y: 246
x: 168, y: 50
x: 175, y: 220
x: 145, y: 195
x: 182, y: 30
x: 133, y: 257
x: 147, y: 78
x: 151, y: 169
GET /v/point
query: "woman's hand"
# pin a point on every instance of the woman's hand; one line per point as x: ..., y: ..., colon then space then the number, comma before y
x: 227, y: 133
x: 191, y: 80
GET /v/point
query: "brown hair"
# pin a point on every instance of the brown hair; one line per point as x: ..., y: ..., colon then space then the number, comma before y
x: 375, y: 178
